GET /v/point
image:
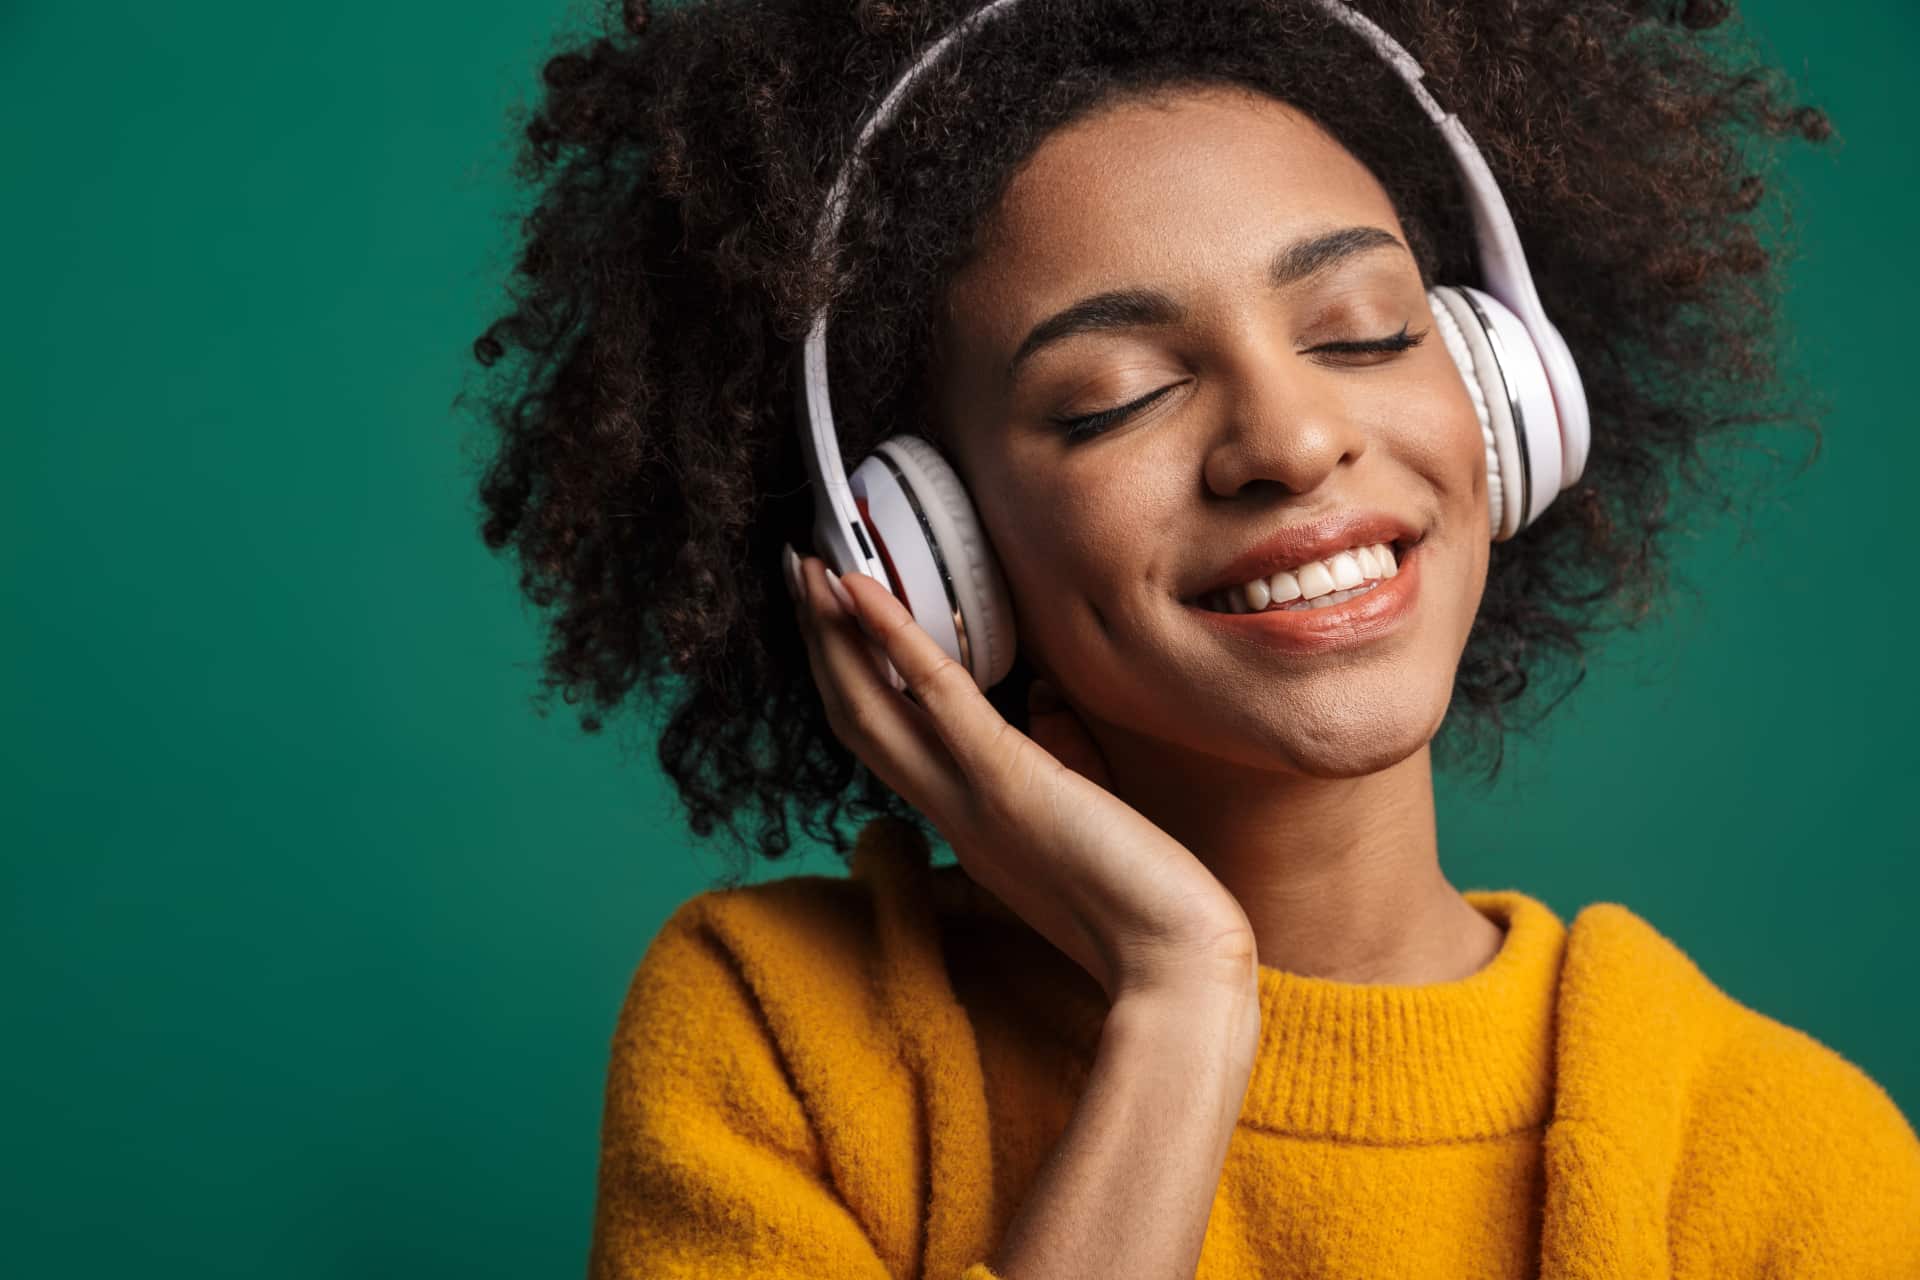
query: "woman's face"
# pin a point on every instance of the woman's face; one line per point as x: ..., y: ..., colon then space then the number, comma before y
x: 1195, y: 198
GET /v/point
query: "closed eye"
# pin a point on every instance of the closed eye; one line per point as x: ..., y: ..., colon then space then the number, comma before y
x: 1400, y: 341
x: 1092, y: 424
x: 1085, y: 426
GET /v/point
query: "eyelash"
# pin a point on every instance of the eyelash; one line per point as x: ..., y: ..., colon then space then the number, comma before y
x: 1092, y: 424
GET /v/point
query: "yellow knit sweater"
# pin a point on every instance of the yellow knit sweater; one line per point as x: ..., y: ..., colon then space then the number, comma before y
x: 824, y: 1077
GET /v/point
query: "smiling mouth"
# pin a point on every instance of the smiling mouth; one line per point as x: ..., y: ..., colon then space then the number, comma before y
x: 1318, y: 584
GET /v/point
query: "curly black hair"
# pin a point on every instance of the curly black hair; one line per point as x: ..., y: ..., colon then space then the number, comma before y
x: 646, y: 462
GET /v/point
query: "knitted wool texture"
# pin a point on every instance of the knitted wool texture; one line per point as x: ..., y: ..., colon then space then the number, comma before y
x: 859, y: 1077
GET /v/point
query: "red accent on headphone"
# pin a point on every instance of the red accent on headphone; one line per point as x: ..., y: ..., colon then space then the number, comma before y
x: 886, y: 561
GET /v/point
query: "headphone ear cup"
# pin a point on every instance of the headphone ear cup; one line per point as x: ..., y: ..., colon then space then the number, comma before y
x: 1476, y: 364
x: 972, y: 571
x: 1521, y: 410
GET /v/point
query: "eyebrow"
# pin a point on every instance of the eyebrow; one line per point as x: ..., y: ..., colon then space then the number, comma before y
x: 1146, y: 308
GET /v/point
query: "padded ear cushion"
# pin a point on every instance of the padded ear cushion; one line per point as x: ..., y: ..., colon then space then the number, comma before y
x: 972, y: 568
x: 1466, y: 342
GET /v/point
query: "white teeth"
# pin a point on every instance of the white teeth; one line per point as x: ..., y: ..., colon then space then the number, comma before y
x: 1315, y: 579
x: 1334, y: 597
x: 1322, y: 582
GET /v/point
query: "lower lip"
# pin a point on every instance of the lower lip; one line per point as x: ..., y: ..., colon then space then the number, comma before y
x: 1349, y: 624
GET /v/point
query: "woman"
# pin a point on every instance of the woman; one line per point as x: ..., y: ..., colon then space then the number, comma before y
x: 1197, y: 996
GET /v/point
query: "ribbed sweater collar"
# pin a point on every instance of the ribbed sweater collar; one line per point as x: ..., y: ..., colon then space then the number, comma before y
x: 1638, y: 1032
x: 1437, y: 1062
x: 1366, y: 1062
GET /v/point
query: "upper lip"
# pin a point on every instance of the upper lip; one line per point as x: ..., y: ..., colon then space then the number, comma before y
x: 1313, y: 540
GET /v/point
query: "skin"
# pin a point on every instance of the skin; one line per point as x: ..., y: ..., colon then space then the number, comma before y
x: 1302, y: 783
x: 1230, y: 799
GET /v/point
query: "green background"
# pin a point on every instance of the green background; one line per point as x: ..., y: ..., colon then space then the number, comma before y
x: 315, y: 932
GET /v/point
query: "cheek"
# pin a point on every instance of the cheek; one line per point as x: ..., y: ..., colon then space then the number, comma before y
x: 1077, y: 544
x: 1460, y: 479
x: 1442, y: 451
x: 1447, y: 448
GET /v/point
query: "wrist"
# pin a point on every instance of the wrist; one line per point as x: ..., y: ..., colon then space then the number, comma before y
x: 1191, y: 1015
x: 1216, y: 979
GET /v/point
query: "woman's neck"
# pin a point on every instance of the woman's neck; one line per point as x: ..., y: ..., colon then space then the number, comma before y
x: 1340, y: 878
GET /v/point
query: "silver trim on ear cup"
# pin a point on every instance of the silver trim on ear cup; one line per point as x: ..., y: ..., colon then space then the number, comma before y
x: 939, y: 560
x: 1504, y: 278
x: 1519, y: 417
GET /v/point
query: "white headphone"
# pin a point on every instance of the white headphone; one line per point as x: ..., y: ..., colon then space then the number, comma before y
x: 904, y: 518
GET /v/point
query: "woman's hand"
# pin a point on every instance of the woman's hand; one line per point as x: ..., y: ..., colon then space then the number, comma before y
x: 1125, y: 900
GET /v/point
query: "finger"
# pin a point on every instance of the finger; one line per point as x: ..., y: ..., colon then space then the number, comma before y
x: 868, y: 649
x: 969, y: 726
x: 807, y: 613
x: 891, y: 735
x: 816, y: 615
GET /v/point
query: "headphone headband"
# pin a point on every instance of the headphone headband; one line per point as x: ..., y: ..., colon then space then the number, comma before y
x: 838, y: 532
x: 836, y: 516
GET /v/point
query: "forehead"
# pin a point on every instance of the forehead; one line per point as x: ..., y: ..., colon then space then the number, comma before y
x: 1168, y: 189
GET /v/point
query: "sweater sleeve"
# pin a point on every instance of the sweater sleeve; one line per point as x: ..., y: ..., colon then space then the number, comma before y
x: 709, y: 1166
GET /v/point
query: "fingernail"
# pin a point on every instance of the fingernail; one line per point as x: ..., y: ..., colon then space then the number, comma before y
x: 840, y: 594
x: 790, y: 567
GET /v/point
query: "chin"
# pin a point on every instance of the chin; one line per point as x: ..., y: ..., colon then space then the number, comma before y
x: 1341, y: 738
x: 1354, y: 759
x: 1339, y: 724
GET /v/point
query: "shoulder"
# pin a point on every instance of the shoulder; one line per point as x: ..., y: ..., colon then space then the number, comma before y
x: 795, y: 1043
x: 775, y: 971
x: 814, y: 928
x: 709, y: 1019
x: 1822, y: 1148
x: 759, y: 1101
x: 1765, y: 1133
x: 806, y: 950
x: 813, y: 995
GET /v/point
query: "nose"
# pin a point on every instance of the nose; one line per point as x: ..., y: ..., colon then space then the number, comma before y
x: 1279, y: 424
